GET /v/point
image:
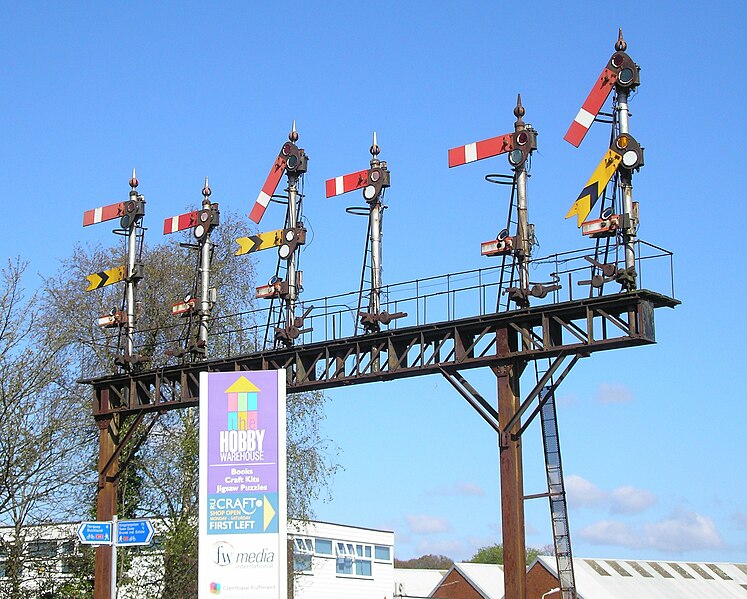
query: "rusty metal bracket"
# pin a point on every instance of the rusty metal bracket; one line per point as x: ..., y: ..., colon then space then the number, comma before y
x: 122, y: 442
x: 477, y: 401
x: 554, y: 386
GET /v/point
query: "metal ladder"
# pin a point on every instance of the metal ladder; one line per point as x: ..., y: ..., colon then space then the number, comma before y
x: 556, y: 493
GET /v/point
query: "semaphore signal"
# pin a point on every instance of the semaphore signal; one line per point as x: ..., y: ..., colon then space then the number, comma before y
x: 130, y: 214
x: 373, y: 181
x: 622, y: 159
x: 202, y: 222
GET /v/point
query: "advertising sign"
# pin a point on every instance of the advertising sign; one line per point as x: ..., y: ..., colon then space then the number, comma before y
x: 243, y: 529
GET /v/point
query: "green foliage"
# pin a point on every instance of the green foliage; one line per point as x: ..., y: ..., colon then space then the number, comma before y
x: 159, y: 470
x: 428, y: 562
x: 493, y: 554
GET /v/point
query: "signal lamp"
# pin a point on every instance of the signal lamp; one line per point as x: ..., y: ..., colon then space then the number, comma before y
x: 626, y: 76
x: 516, y: 157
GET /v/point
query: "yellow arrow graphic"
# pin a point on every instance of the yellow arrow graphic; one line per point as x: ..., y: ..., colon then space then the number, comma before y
x: 595, y: 186
x: 106, y: 277
x: 263, y: 241
x: 269, y: 512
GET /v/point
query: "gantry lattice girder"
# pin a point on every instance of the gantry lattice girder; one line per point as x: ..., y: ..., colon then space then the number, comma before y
x: 543, y: 331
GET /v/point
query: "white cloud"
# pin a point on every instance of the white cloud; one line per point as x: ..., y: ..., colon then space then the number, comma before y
x: 461, y: 489
x: 679, y: 533
x: 582, y: 493
x: 630, y: 500
x: 426, y: 525
x: 683, y: 531
x: 613, y: 393
x: 610, y: 532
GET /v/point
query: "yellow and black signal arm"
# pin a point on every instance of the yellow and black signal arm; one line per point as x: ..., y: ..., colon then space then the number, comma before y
x: 110, y: 276
x: 624, y: 152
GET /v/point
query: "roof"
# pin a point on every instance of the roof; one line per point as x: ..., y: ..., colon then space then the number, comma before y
x: 242, y: 385
x: 621, y: 579
x: 487, y: 579
x: 416, y: 582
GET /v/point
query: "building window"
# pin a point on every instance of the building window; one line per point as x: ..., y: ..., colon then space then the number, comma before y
x: 382, y: 553
x: 303, y: 552
x: 354, y: 559
x: 303, y: 545
x: 345, y: 558
x: 42, y: 549
x: 363, y: 560
x: 302, y: 562
x: 324, y: 547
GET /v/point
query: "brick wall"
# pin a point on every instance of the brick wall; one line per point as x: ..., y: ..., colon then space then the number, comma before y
x: 455, y: 587
x: 539, y: 581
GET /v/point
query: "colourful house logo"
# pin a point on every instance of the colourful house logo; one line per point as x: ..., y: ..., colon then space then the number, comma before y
x: 242, y: 405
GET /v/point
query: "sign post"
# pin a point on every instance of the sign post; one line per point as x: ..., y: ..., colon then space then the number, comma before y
x: 116, y: 533
x: 243, y: 529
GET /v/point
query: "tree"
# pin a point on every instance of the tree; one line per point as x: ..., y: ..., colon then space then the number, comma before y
x: 493, y: 554
x: 161, y: 477
x: 428, y: 562
x: 41, y: 431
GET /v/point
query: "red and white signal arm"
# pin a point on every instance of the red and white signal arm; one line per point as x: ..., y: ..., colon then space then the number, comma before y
x: 269, y: 291
x: 103, y: 213
x: 602, y: 227
x: 346, y: 183
x: 185, y: 307
x: 497, y: 247
x: 113, y: 319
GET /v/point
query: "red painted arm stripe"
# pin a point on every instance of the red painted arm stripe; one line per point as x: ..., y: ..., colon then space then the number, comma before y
x: 456, y: 156
x: 493, y: 146
x: 276, y: 173
x: 354, y: 181
x: 576, y: 133
x: 271, y: 184
x: 600, y: 92
x: 98, y: 215
x: 330, y: 187
x: 258, y: 211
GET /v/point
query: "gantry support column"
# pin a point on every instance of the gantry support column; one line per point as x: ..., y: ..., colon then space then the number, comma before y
x: 512, y: 474
x: 106, y: 502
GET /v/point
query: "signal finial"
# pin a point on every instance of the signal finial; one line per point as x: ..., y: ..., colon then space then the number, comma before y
x: 519, y: 111
x: 206, y: 191
x: 620, y: 45
x: 293, y: 135
x: 374, y: 149
x: 133, y: 182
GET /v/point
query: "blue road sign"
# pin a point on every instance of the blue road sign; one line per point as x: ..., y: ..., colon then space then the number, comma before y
x: 134, y: 532
x: 95, y: 533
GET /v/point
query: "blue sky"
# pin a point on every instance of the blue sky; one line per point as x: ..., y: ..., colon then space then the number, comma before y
x: 653, y: 438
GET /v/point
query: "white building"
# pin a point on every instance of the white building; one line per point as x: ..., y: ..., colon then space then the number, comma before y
x: 332, y: 561
x: 416, y: 582
x: 621, y: 579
